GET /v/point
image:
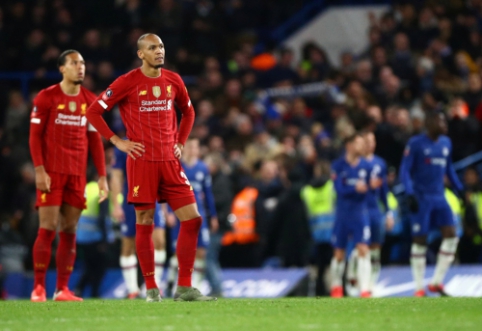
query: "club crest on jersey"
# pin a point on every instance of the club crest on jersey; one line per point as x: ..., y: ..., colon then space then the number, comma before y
x: 83, y: 108
x: 156, y: 90
x: 72, y: 106
x: 135, y: 191
x: 168, y: 91
x: 445, y: 151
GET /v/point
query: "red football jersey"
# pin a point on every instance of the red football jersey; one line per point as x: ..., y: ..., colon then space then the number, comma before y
x: 62, y: 120
x: 147, y: 108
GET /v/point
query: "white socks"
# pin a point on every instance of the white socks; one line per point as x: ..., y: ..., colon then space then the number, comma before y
x: 159, y: 260
x: 445, y: 258
x: 351, y: 268
x: 364, y: 272
x: 418, y: 261
x: 172, y: 271
x: 199, y: 272
x: 128, y: 265
x: 336, y: 270
x: 375, y: 255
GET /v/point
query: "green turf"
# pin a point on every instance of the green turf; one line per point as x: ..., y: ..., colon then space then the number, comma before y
x: 280, y: 314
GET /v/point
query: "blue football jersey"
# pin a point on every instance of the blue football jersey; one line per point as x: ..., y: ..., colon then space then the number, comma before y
x: 345, y: 177
x: 200, y: 179
x: 378, y: 170
x: 425, y: 164
x: 120, y: 162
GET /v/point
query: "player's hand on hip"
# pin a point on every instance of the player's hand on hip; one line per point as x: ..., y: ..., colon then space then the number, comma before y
x: 361, y: 186
x: 42, y: 179
x: 412, y: 203
x: 103, y: 188
x: 132, y: 148
x: 178, y: 150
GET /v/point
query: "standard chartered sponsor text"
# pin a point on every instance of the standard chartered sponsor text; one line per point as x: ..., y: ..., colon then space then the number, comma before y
x: 74, y: 120
x: 157, y: 105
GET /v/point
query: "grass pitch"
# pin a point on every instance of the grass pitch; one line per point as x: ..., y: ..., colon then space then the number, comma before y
x: 229, y: 314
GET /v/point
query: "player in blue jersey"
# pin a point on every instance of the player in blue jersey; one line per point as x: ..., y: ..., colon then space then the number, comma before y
x: 126, y: 214
x: 197, y: 175
x: 427, y: 160
x: 379, y: 220
x: 351, y: 176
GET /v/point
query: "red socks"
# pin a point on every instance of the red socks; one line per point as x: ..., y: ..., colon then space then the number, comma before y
x: 42, y: 250
x: 145, y: 253
x: 186, y: 249
x: 65, y: 258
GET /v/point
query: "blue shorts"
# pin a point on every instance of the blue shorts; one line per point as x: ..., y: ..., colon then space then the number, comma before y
x: 350, y: 226
x: 128, y: 227
x: 202, y: 239
x: 433, y: 212
x: 377, y: 228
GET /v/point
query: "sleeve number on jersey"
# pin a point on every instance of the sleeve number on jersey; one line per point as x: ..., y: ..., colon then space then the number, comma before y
x: 183, y: 175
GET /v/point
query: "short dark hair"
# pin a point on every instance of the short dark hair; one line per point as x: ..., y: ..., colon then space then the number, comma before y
x: 365, y: 132
x: 433, y: 115
x: 351, y: 137
x: 63, y: 57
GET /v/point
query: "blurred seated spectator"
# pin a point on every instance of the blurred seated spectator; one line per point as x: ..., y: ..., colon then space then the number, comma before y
x: 464, y: 130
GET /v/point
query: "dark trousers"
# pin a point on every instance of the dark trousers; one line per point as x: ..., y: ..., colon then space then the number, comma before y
x: 93, y: 258
x: 323, y: 255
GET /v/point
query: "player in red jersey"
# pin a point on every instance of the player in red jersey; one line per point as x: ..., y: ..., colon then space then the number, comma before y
x: 60, y: 138
x: 146, y: 98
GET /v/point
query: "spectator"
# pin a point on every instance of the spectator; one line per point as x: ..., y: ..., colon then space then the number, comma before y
x: 269, y: 187
x: 363, y: 74
x: 290, y: 233
x: 470, y: 247
x: 463, y: 130
x: 402, y: 60
x: 167, y: 21
x: 223, y: 195
x: 473, y: 95
x: 35, y: 46
x: 283, y: 71
x: 92, y: 49
x: 16, y: 120
x: 320, y: 203
x: 264, y: 147
x: 427, y: 28
x: 13, y: 250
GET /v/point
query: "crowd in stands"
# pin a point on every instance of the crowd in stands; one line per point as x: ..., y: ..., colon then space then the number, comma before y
x: 421, y: 56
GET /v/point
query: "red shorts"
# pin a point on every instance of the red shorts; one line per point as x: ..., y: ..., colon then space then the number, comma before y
x: 63, y: 188
x: 164, y: 181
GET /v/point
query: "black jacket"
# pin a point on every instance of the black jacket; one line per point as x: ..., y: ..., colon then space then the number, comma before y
x: 223, y: 196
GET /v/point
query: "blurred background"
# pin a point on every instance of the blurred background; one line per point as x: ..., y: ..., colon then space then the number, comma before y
x: 276, y: 85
